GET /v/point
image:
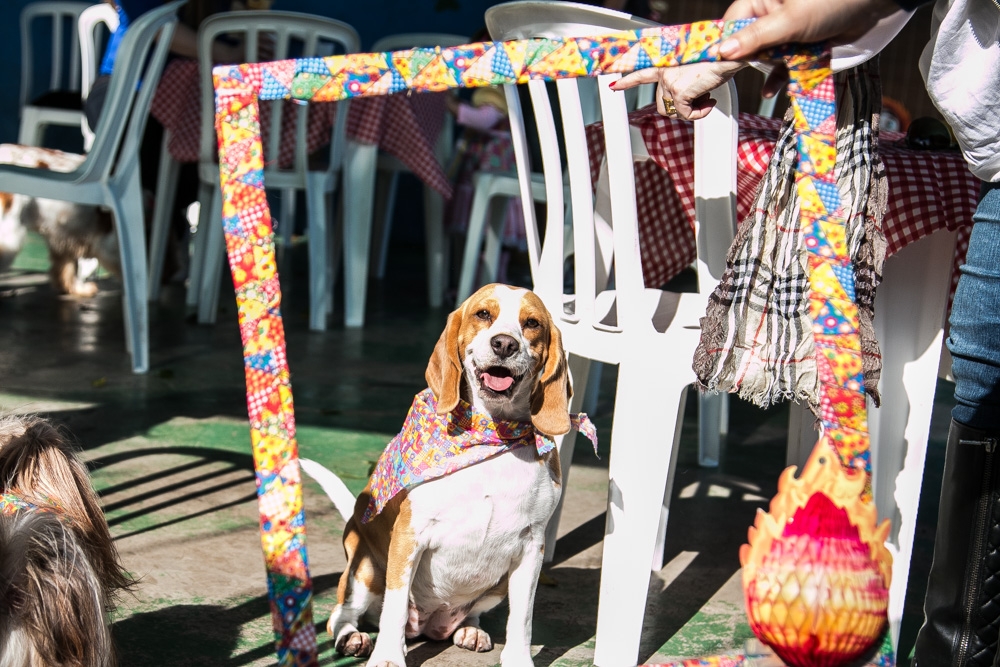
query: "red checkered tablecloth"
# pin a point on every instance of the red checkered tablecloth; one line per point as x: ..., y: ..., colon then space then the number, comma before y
x: 929, y: 190
x: 405, y: 126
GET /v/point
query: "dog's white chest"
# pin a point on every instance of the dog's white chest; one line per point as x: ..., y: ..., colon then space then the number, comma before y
x: 475, y: 522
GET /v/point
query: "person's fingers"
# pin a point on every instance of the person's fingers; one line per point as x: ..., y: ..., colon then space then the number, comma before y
x: 637, y: 78
x: 806, y: 21
x: 697, y: 108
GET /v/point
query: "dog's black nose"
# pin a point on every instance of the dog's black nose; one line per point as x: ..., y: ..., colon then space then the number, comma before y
x: 504, y: 345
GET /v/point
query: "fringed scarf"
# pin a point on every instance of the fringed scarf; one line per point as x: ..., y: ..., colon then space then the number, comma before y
x: 757, y: 335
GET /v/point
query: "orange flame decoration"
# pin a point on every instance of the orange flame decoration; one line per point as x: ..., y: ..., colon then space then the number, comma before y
x: 816, y: 571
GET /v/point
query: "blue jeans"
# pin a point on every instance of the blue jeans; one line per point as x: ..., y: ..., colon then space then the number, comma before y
x: 974, y: 339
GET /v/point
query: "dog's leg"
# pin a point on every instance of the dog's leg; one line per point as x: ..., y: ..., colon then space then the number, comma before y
x: 404, y: 557
x: 62, y: 273
x: 354, y: 596
x: 521, y: 595
x: 343, y: 623
x: 472, y: 637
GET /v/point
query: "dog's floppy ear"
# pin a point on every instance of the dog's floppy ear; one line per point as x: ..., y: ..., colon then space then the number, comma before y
x: 444, y: 370
x: 550, y: 396
x: 51, y: 598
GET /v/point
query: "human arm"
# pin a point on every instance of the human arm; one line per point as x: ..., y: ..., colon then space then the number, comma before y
x: 689, y: 85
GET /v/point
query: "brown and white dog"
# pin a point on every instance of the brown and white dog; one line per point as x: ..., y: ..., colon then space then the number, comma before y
x: 59, y: 569
x: 443, y: 552
x: 72, y: 231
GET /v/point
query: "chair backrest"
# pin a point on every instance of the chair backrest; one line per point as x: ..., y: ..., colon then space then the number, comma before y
x: 93, y: 21
x: 138, y: 65
x: 266, y: 36
x: 64, y: 63
x: 607, y: 291
x: 524, y: 19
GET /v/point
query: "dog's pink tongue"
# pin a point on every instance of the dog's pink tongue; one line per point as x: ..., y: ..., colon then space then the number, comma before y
x: 497, y: 383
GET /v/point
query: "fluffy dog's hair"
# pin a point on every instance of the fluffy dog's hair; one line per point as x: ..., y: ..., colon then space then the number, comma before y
x: 60, y: 572
x: 71, y: 231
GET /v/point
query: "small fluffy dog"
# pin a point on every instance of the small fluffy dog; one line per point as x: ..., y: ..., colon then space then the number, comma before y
x: 59, y: 569
x: 71, y: 231
x: 453, y: 518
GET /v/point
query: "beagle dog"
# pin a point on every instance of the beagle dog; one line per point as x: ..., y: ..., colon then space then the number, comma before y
x: 60, y: 572
x: 435, y: 555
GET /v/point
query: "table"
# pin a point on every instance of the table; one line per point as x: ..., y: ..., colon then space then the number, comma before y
x: 929, y: 190
x: 405, y: 126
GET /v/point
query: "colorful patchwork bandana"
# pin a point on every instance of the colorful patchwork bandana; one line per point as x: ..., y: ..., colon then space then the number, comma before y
x: 12, y: 502
x: 432, y: 445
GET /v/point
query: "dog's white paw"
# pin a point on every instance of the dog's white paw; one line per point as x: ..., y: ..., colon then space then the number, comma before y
x: 514, y: 657
x: 358, y: 644
x: 386, y: 661
x: 473, y: 639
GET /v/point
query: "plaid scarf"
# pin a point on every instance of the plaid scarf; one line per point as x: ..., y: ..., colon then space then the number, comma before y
x: 757, y: 334
x: 432, y: 445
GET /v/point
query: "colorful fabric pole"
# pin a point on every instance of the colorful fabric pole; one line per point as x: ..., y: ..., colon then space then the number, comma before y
x: 250, y: 240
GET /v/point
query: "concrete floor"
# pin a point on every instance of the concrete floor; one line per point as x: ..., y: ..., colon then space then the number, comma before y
x: 170, y: 453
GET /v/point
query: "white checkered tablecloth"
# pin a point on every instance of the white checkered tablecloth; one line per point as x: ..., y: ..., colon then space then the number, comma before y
x: 405, y: 126
x: 928, y: 190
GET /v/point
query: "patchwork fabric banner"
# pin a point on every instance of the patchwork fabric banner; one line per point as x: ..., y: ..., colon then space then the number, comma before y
x: 250, y: 240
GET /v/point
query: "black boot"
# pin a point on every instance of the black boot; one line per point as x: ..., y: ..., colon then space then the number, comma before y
x: 962, y: 605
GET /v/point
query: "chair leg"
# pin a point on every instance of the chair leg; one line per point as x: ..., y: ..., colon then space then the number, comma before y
x: 474, y: 236
x: 494, y: 240
x: 215, y: 245
x: 638, y: 475
x: 166, y: 191
x: 30, y: 131
x: 126, y: 206
x: 709, y: 431
x: 318, y: 232
x: 287, y: 221
x: 199, y: 243
x: 659, y: 547
x: 359, y: 181
x: 579, y: 371
x: 909, y: 323
x: 385, y: 206
x: 434, y: 241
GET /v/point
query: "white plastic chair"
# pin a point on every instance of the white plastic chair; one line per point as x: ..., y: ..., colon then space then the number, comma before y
x: 492, y: 190
x: 486, y: 218
x: 291, y: 34
x: 388, y: 169
x: 109, y: 175
x: 93, y: 20
x: 60, y: 103
x: 609, y: 315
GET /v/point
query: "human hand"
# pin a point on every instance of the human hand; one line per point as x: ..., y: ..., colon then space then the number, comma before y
x: 782, y: 22
x: 688, y: 87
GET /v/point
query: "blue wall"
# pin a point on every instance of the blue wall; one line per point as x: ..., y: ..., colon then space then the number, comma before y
x: 373, y: 19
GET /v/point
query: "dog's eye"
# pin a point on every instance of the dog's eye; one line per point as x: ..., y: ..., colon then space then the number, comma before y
x: 532, y: 323
x: 484, y: 314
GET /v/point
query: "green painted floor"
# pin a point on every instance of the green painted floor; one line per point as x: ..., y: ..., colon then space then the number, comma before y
x: 170, y: 454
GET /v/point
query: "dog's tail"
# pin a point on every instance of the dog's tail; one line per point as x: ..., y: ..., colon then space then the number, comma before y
x: 335, y: 489
x: 51, y: 598
x: 39, y: 463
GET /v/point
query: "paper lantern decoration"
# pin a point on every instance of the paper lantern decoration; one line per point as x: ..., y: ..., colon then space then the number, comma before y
x: 816, y: 571
x: 250, y: 242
